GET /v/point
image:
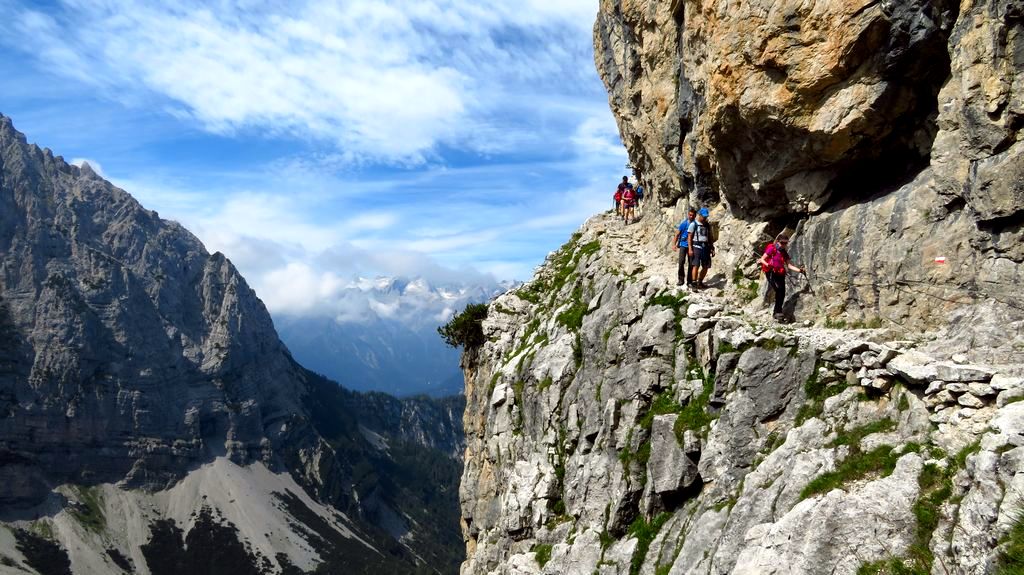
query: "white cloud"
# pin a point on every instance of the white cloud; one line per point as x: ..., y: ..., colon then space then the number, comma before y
x: 381, y: 79
x: 93, y: 164
x: 342, y: 87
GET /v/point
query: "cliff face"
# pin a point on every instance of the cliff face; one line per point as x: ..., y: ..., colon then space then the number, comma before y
x: 618, y: 425
x: 885, y: 133
x: 147, y: 406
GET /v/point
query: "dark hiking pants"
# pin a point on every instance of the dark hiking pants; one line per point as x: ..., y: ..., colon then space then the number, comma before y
x: 684, y: 272
x: 777, y: 282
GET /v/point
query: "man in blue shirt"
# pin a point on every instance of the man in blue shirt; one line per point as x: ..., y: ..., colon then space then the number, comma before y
x: 680, y: 242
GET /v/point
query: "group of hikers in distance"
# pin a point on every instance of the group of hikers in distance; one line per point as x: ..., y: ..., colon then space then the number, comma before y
x: 628, y: 199
x: 695, y: 241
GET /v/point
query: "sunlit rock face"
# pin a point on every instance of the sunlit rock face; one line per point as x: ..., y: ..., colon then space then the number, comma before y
x: 886, y: 132
x: 618, y: 424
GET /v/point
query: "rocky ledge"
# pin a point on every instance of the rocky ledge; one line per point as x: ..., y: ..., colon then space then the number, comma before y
x: 886, y: 133
x: 618, y: 425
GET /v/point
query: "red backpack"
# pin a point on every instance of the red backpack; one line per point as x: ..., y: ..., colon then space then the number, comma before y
x: 776, y: 259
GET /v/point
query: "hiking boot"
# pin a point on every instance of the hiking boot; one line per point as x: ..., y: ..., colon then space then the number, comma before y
x: 781, y: 318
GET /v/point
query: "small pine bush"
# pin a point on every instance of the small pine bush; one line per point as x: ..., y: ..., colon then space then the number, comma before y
x: 465, y: 329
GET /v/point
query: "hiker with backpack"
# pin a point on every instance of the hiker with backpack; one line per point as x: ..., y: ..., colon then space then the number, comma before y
x: 618, y: 194
x: 701, y: 248
x: 681, y: 243
x: 628, y: 203
x: 639, y: 198
x: 774, y: 263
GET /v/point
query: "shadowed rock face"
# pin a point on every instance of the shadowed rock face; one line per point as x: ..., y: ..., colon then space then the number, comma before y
x: 887, y: 132
x: 131, y: 352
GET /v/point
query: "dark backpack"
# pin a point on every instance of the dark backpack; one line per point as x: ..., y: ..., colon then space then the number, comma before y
x: 701, y: 232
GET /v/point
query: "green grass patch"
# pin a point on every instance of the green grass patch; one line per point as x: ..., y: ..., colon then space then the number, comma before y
x: 606, y: 540
x: 960, y: 459
x: 560, y: 267
x: 572, y: 317
x: 589, y: 248
x: 853, y: 437
x: 1011, y: 556
x: 663, y: 404
x: 904, y: 403
x: 42, y: 528
x: 694, y: 415
x: 542, y: 553
x: 748, y: 292
x: 644, y: 531
x: 546, y: 383
x: 677, y: 303
x: 871, y: 323
x: 880, y: 460
x: 858, y: 464
x: 498, y: 308
x: 746, y: 289
x: 936, y: 487
x: 89, y: 509
x: 835, y: 323
x: 817, y: 391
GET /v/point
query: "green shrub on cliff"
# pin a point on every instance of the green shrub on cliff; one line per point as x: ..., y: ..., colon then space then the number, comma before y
x: 465, y: 329
x: 1011, y: 558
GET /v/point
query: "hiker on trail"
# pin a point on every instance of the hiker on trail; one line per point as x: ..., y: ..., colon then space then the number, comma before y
x: 774, y: 263
x: 681, y: 243
x: 700, y: 248
x: 628, y: 203
x: 639, y: 198
x: 618, y: 194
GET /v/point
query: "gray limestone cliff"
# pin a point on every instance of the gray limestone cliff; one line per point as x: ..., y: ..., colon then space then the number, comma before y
x: 616, y: 424
x: 886, y: 134
x: 151, y: 421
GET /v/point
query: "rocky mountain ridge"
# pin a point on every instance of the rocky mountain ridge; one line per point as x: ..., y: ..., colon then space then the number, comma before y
x: 618, y: 425
x: 146, y: 403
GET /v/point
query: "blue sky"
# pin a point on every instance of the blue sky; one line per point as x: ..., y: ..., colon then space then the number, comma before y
x: 315, y: 141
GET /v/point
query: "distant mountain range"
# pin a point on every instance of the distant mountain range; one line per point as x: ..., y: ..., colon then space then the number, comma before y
x: 384, y: 336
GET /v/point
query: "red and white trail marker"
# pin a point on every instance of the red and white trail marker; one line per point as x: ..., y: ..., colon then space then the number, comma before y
x: 940, y: 260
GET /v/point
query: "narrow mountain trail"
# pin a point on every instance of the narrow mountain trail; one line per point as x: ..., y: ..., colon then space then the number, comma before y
x: 644, y: 249
x: 619, y: 424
